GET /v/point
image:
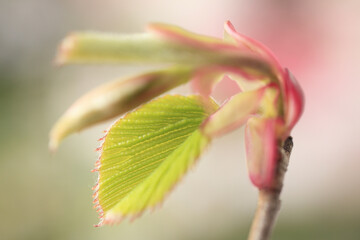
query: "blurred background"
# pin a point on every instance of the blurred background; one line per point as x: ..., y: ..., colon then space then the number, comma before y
x: 46, y: 196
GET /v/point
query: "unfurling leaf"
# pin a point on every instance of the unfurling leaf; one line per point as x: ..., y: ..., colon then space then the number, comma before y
x: 96, y: 47
x: 146, y: 153
x: 233, y: 113
x: 116, y: 98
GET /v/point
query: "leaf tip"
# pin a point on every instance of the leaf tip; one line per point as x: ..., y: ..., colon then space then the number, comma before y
x: 66, y: 47
x: 229, y: 25
x: 112, y: 218
x: 57, y: 134
x: 100, y: 224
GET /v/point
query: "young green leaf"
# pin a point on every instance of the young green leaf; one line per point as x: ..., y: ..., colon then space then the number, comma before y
x: 146, y: 153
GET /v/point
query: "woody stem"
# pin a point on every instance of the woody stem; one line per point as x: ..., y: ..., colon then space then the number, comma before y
x: 269, y: 198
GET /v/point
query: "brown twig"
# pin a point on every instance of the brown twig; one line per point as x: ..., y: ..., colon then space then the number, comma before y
x: 269, y: 198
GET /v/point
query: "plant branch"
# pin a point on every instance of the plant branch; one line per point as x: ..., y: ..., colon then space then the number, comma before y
x: 269, y: 198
